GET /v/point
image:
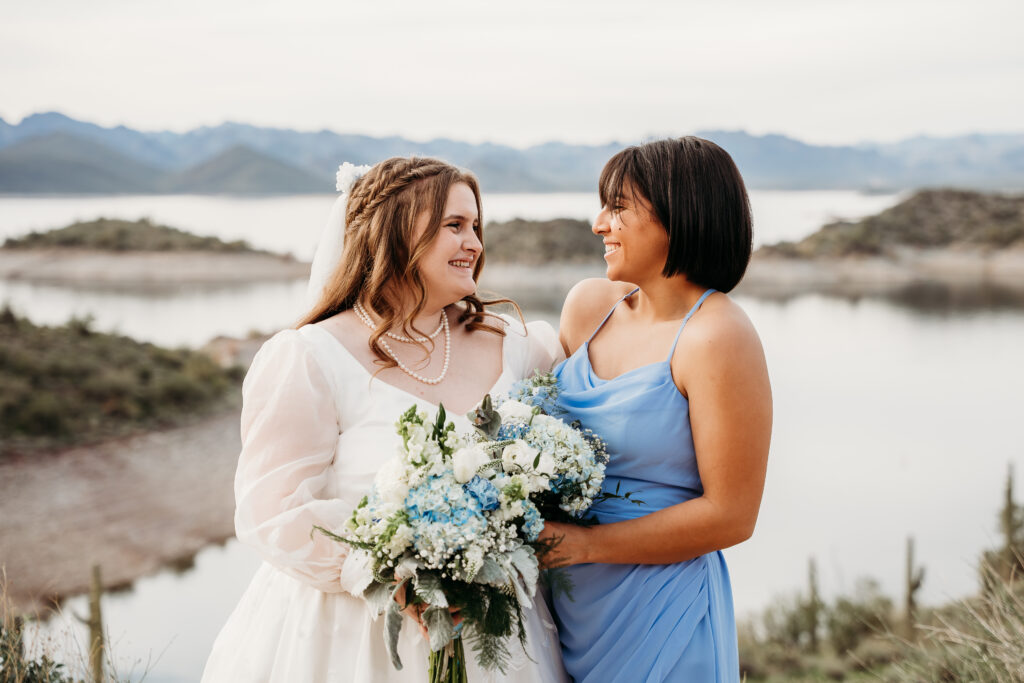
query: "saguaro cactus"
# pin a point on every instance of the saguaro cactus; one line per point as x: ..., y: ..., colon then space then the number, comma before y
x: 914, y: 580
x: 95, y: 624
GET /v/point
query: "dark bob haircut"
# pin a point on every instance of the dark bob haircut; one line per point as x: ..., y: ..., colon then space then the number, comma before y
x: 698, y: 195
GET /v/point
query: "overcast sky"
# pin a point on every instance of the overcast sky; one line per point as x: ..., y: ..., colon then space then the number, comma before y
x: 526, y: 71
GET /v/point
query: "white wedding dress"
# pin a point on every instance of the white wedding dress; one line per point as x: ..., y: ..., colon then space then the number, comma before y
x: 315, y: 428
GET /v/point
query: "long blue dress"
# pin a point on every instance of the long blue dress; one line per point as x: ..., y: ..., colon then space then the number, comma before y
x: 629, y: 622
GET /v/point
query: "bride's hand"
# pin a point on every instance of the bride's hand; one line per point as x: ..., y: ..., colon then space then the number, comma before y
x: 416, y: 609
x: 566, y: 545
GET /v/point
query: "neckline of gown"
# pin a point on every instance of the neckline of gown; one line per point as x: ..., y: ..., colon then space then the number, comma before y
x: 419, y: 399
x: 601, y: 381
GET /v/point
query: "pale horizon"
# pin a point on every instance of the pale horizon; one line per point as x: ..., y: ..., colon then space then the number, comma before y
x: 573, y: 72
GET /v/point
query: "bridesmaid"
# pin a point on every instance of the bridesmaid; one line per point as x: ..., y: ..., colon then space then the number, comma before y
x: 670, y: 372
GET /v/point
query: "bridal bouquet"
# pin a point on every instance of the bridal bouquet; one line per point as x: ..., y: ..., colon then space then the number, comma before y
x: 561, y: 465
x: 454, y: 519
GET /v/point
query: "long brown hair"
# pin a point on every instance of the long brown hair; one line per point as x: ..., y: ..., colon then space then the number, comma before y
x: 380, y: 262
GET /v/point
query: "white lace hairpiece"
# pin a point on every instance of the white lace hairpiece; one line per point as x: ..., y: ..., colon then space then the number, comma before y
x: 332, y: 242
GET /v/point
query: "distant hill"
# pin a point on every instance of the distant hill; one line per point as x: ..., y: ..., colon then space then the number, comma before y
x: 113, y: 234
x: 213, y: 159
x: 928, y: 219
x: 61, y: 162
x: 562, y: 240
x: 239, y: 170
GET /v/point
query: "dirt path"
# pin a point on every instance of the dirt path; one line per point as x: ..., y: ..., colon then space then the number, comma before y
x: 131, y: 505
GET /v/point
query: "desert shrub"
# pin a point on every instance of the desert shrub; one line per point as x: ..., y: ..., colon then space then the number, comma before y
x: 979, y: 639
x: 852, y: 619
x: 67, y: 384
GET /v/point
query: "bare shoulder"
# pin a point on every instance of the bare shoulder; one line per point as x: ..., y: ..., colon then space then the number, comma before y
x: 586, y: 304
x: 721, y: 335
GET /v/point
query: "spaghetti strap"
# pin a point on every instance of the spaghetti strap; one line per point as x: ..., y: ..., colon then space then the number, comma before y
x: 609, y: 314
x: 693, y: 310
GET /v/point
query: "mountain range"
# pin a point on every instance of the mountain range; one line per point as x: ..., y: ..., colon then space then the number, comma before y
x: 53, y: 153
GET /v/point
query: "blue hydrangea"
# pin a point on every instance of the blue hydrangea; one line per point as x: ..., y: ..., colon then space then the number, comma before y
x: 431, y: 502
x: 532, y: 522
x: 514, y: 430
x: 483, y: 491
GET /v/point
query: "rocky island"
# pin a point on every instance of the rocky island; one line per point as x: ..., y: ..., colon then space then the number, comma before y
x: 131, y: 253
x: 953, y: 238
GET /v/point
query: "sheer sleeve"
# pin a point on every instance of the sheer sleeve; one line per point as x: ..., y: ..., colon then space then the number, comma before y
x: 282, y: 487
x: 544, y: 349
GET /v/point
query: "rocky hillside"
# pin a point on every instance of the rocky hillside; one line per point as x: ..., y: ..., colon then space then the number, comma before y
x: 930, y: 219
x: 562, y: 240
x: 111, y: 234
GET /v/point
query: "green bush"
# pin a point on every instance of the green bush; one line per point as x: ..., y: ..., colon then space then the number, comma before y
x: 60, y: 385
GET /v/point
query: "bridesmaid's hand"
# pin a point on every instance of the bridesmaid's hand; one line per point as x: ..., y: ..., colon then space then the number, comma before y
x: 567, y: 545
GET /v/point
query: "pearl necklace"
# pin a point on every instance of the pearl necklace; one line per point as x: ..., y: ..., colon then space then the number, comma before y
x: 360, y: 312
x: 368, y: 321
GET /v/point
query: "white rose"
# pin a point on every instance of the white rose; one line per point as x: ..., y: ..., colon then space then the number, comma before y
x: 518, y: 453
x: 466, y: 461
x: 515, y: 411
x: 391, y: 482
x: 546, y: 466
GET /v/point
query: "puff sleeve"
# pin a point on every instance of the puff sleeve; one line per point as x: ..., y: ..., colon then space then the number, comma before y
x: 544, y: 351
x: 282, y: 485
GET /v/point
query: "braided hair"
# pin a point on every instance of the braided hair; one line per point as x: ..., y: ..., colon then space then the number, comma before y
x: 379, y: 264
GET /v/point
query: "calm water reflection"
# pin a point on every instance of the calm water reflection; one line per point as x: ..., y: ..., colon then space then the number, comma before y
x: 889, y: 421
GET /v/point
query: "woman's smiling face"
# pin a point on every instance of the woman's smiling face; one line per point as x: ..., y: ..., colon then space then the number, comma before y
x: 636, y: 244
x: 448, y: 264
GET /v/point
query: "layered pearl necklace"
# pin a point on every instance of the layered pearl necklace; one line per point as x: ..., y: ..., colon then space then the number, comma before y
x: 365, y: 318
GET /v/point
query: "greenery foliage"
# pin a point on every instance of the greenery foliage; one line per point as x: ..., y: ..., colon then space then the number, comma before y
x: 930, y: 218
x: 16, y: 668
x: 111, y: 234
x: 67, y: 384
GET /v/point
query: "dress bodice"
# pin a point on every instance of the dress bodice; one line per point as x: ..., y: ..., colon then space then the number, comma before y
x: 645, y: 422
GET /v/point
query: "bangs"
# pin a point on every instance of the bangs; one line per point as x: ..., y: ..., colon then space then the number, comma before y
x: 620, y: 171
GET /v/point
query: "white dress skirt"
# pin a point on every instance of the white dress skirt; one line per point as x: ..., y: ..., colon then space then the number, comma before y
x: 315, y: 428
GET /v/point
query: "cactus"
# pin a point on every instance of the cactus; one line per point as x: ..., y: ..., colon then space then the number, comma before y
x: 914, y: 579
x: 812, y: 609
x: 95, y: 624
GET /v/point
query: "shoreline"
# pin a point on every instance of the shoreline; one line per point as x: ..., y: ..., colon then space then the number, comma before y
x: 77, y: 267
x: 778, y: 275
x: 132, y: 505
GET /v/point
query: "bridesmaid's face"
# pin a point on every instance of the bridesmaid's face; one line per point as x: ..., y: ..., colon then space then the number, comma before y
x: 447, y: 266
x: 635, y: 243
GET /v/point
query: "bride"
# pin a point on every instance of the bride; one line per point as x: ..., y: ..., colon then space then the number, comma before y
x: 396, y: 322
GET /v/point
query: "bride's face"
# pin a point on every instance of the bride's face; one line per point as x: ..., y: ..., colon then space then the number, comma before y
x: 447, y: 265
x: 635, y: 243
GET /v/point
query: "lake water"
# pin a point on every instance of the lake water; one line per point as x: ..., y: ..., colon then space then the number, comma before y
x: 890, y: 420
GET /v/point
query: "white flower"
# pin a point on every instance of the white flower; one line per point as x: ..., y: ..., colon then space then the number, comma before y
x: 546, y: 466
x: 400, y: 541
x: 518, y: 454
x: 348, y: 174
x: 391, y: 481
x: 417, y: 434
x: 466, y: 461
x: 515, y: 411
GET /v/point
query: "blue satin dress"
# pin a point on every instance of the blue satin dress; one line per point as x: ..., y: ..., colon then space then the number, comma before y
x: 629, y: 622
